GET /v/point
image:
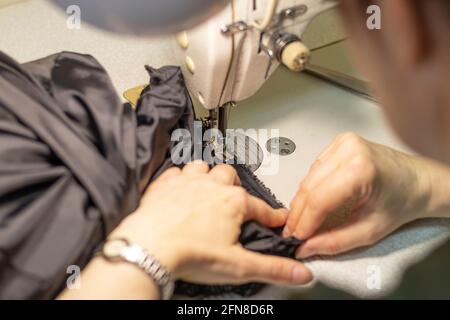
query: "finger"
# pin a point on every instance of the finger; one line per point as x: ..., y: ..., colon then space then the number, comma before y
x: 196, y: 168
x: 318, y: 177
x: 255, y: 267
x: 297, y: 207
x: 319, y: 173
x: 326, y: 164
x: 341, y: 239
x: 348, y: 183
x: 322, y: 169
x: 258, y: 210
x: 335, y: 145
x: 225, y: 174
x: 172, y: 172
x: 328, y: 161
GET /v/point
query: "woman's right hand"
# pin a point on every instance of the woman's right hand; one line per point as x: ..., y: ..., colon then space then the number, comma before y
x: 191, y: 220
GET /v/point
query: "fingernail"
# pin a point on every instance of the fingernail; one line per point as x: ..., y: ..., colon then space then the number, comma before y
x: 298, y: 234
x: 286, y: 232
x: 300, y: 275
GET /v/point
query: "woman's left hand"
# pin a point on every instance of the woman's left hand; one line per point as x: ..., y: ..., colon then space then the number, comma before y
x: 191, y: 220
x: 384, y: 187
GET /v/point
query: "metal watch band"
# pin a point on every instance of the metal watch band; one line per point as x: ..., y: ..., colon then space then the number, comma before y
x: 158, y: 272
x: 138, y: 256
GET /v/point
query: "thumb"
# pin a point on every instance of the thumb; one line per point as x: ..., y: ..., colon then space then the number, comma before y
x: 270, y: 269
x: 260, y: 211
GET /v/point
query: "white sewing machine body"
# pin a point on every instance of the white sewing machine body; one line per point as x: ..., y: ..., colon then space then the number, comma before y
x: 229, y: 57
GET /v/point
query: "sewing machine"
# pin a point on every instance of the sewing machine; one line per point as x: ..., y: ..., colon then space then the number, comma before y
x: 306, y: 110
x: 231, y: 54
x: 229, y: 57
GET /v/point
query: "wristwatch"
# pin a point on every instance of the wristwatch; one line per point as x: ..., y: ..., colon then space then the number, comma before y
x: 116, y: 250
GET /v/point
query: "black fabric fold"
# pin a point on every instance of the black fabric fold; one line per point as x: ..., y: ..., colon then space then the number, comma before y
x: 74, y: 162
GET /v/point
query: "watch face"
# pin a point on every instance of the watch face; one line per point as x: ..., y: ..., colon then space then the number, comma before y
x: 114, y: 248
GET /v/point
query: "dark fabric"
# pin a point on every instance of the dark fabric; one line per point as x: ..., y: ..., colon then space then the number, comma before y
x: 254, y: 237
x: 74, y: 162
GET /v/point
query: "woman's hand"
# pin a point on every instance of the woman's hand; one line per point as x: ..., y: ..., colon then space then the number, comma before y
x: 384, y: 188
x: 191, y: 220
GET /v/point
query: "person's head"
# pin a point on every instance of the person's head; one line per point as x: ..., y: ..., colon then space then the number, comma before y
x: 408, y: 63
